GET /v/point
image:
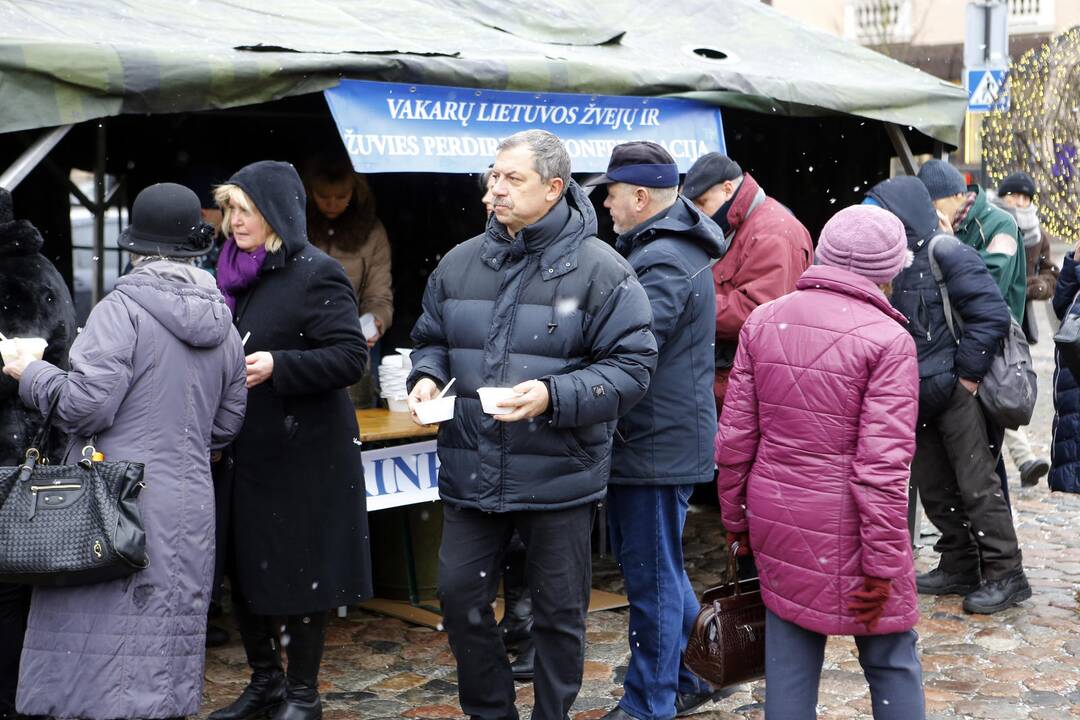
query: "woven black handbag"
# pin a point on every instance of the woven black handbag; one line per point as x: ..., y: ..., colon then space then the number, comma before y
x: 69, y: 524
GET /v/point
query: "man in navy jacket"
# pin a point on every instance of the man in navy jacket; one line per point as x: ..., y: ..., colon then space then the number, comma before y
x: 664, y: 444
x: 953, y: 467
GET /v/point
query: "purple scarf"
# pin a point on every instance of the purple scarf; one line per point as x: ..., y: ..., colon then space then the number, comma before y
x: 237, y: 270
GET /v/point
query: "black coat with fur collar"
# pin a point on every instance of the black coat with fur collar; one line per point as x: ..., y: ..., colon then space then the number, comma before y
x: 34, y: 302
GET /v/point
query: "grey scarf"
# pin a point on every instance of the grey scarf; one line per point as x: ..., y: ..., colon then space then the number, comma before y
x: 1028, y: 220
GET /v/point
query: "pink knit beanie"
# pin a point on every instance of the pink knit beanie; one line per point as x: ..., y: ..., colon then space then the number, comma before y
x: 866, y: 240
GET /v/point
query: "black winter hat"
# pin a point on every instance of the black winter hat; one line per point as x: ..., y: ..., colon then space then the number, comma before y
x: 708, y: 170
x: 941, y: 179
x: 166, y: 220
x: 1019, y: 183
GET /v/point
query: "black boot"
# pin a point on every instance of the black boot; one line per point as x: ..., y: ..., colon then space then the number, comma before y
x: 996, y: 595
x: 307, y: 636
x: 522, y: 667
x: 266, y: 690
x: 940, y: 582
x: 216, y: 636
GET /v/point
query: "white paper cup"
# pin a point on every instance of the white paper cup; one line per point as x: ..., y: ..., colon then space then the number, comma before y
x: 436, y: 411
x: 9, y: 350
x: 398, y: 404
x: 33, y: 346
x: 368, y: 326
x: 490, y: 397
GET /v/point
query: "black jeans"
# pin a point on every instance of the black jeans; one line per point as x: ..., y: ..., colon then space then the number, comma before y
x: 559, y: 571
x: 14, y: 607
x: 954, y: 469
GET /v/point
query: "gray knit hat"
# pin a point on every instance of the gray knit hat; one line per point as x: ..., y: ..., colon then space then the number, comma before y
x: 941, y: 179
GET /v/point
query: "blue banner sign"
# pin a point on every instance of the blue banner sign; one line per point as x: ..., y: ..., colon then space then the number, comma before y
x: 401, y: 475
x: 394, y: 127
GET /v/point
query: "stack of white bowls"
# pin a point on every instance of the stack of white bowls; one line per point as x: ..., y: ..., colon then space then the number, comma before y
x: 393, y: 371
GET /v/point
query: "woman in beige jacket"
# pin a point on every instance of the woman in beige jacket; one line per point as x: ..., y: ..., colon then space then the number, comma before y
x: 342, y: 223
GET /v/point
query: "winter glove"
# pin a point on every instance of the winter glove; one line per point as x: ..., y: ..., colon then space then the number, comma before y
x: 743, y: 539
x: 869, y: 603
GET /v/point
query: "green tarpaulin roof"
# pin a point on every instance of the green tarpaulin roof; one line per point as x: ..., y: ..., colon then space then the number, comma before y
x: 66, y: 61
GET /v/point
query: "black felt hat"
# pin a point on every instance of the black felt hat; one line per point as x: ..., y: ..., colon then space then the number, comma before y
x: 166, y: 220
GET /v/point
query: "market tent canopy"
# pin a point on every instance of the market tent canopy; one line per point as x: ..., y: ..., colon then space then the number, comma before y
x: 63, y: 62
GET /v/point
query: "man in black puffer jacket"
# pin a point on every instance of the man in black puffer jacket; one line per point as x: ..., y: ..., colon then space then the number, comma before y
x: 953, y: 468
x: 538, y: 304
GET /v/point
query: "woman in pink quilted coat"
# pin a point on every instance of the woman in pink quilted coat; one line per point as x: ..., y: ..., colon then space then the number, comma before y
x: 814, y: 448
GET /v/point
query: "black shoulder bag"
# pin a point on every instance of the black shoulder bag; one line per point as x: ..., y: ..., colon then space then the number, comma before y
x: 69, y: 524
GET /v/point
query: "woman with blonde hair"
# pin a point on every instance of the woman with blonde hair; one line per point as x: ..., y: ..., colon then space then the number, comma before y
x: 299, y: 537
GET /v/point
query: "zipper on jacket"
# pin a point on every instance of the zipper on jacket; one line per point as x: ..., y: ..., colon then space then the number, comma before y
x: 504, y: 430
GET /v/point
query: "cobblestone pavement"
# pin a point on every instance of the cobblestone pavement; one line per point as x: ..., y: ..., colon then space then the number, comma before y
x: 1022, y: 663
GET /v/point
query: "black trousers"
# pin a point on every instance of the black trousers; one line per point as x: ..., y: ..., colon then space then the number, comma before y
x: 559, y: 572
x: 14, y: 607
x: 954, y: 469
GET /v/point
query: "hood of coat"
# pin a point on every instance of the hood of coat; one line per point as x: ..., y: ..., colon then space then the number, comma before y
x: 556, y: 236
x: 682, y: 220
x: 279, y: 195
x: 845, y: 282
x: 907, y: 198
x: 181, y: 297
x: 19, y: 237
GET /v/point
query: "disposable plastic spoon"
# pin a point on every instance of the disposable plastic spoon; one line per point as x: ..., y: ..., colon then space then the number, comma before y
x: 437, y: 397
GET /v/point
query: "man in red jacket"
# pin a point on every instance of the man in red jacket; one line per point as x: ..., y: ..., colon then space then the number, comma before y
x: 768, y: 249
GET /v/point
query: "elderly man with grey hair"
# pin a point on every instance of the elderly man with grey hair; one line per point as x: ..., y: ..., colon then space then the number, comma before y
x: 540, y: 308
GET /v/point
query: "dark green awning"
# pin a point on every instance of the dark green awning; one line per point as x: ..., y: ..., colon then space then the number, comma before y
x: 64, y: 62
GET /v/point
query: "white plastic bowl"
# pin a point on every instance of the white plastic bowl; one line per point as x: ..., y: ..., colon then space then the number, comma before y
x: 490, y: 397
x: 9, y: 350
x: 35, y: 346
x: 436, y: 411
x: 398, y: 404
x: 12, y: 347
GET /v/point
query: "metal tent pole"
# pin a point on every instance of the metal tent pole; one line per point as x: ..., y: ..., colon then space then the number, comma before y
x: 33, y: 155
x: 98, y: 291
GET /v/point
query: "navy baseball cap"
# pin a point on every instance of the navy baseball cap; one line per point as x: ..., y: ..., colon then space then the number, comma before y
x: 640, y: 163
x: 708, y: 170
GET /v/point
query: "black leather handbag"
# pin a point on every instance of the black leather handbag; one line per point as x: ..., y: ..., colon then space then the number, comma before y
x: 70, y: 524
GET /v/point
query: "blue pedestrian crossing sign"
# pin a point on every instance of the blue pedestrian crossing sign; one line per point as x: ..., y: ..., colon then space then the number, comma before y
x: 986, y: 89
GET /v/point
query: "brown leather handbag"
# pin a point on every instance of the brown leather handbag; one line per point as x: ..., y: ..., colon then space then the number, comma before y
x: 727, y: 644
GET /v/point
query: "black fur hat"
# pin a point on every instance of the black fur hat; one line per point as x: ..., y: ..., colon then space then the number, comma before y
x: 7, y: 211
x: 17, y: 237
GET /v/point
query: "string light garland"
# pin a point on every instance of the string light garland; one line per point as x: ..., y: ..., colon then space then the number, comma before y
x: 1040, y: 133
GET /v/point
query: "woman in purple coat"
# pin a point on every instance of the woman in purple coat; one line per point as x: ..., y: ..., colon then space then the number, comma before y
x: 157, y: 376
x: 814, y: 446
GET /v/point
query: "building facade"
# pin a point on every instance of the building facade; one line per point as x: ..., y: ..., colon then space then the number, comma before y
x: 929, y: 34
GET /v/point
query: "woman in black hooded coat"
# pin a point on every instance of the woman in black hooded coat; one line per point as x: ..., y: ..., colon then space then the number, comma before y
x: 298, y: 521
x: 36, y: 303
